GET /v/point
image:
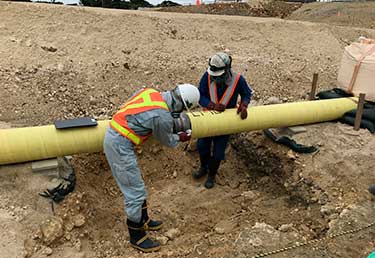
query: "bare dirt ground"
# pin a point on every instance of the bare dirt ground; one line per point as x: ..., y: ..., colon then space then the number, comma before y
x: 356, y: 14
x: 61, y: 62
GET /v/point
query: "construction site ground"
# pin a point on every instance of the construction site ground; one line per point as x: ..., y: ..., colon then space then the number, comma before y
x: 64, y: 62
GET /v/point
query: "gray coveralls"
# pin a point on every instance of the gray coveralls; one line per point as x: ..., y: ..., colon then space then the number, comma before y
x: 122, y: 159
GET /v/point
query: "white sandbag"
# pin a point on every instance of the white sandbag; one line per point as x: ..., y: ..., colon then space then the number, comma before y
x: 357, y: 71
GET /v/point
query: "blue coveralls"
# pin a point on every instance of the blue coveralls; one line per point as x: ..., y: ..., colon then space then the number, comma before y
x: 122, y: 159
x: 220, y: 142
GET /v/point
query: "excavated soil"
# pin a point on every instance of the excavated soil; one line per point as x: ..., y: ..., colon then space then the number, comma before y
x: 63, y: 62
x: 253, y: 8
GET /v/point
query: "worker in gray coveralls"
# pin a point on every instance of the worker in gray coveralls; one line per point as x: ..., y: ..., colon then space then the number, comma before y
x: 147, y: 113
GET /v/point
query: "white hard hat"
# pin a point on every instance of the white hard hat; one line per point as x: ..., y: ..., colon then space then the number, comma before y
x: 189, y: 95
x: 219, y: 63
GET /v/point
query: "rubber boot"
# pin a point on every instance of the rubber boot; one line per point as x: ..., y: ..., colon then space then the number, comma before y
x: 203, y: 170
x: 371, y: 189
x: 139, y: 238
x: 213, y: 166
x: 150, y: 224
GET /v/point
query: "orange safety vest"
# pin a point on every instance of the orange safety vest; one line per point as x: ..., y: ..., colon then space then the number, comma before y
x: 146, y: 99
x: 228, y: 92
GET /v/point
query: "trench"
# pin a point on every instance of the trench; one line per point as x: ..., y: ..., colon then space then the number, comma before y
x: 273, y: 173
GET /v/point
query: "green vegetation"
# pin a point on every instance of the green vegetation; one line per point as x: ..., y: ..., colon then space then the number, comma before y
x: 118, y: 4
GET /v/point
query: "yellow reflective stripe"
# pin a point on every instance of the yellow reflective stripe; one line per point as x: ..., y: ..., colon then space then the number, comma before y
x: 149, y: 91
x: 134, y: 99
x: 146, y: 101
x: 161, y: 104
x: 154, y: 103
x: 126, y: 132
x: 145, y: 95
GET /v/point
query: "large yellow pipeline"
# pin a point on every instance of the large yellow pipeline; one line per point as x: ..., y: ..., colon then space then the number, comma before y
x: 42, y: 142
x: 262, y: 117
x: 35, y: 143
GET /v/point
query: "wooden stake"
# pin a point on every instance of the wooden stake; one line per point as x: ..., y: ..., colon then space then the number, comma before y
x: 358, y: 115
x: 313, y: 86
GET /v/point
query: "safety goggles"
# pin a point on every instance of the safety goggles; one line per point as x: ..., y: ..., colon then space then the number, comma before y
x: 215, y: 69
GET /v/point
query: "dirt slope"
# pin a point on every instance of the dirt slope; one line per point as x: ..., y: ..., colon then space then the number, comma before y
x: 61, y: 61
x: 252, y: 8
x: 355, y: 14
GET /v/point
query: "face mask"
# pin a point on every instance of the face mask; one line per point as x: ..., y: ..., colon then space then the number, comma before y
x: 177, y: 105
x: 220, y: 80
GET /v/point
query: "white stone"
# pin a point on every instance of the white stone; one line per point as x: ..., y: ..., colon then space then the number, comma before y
x: 172, y: 233
x: 47, y: 251
x: 79, y: 220
x: 52, y: 229
x: 285, y: 227
x: 163, y: 240
x: 225, y: 226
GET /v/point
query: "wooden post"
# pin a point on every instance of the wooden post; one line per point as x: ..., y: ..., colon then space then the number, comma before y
x: 358, y: 115
x: 313, y: 86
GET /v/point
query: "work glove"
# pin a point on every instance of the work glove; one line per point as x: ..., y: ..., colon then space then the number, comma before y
x: 65, y: 187
x: 184, y: 136
x: 215, y: 106
x: 242, y: 110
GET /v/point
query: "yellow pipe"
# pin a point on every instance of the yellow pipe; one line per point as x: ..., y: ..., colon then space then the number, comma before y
x: 42, y: 142
x: 262, y: 117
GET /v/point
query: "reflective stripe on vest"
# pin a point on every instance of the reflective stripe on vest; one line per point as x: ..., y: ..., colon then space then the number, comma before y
x: 228, y: 92
x: 146, y: 99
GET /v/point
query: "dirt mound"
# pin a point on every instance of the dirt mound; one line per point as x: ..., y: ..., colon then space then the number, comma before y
x: 356, y: 14
x: 262, y: 9
x: 167, y: 4
x: 62, y: 61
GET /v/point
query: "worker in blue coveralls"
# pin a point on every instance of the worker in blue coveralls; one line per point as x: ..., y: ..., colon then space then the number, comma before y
x: 219, y: 89
x: 147, y: 113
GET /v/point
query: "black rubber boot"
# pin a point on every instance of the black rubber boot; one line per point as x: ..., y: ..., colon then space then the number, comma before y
x: 203, y: 170
x: 139, y: 238
x: 371, y: 189
x: 213, y: 166
x: 150, y: 224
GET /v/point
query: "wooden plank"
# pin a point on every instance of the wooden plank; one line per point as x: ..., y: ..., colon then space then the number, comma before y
x: 313, y: 86
x: 297, y: 129
x: 358, y: 115
x: 42, y: 165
